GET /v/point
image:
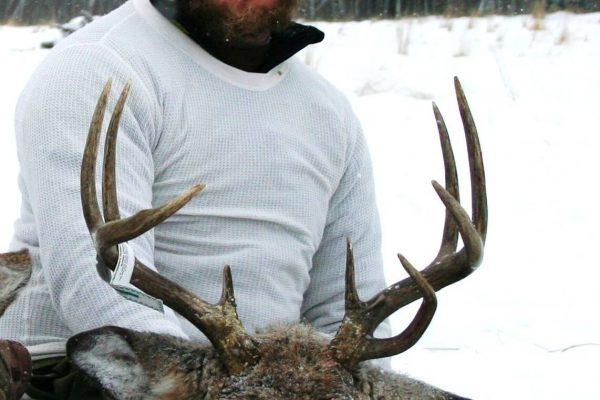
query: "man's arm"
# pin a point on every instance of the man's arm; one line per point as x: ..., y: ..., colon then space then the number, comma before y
x: 52, y: 120
x: 352, y: 214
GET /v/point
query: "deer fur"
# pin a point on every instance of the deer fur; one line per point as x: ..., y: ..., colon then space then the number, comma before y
x: 15, y: 271
x: 295, y: 365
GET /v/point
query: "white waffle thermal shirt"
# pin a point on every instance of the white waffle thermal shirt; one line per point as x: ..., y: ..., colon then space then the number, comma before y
x: 286, y: 166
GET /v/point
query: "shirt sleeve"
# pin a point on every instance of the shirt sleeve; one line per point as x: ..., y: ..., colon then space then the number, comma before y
x: 352, y: 214
x: 52, y: 120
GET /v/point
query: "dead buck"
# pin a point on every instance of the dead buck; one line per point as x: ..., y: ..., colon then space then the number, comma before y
x: 289, y: 362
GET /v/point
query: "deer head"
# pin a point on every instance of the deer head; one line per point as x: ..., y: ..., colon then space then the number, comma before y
x: 287, y: 362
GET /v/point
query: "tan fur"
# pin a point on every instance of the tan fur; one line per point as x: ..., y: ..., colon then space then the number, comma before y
x: 295, y: 365
x: 15, y: 362
x: 15, y: 271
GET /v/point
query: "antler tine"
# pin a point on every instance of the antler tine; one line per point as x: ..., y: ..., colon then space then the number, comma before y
x: 109, y: 186
x: 473, y: 243
x: 407, y: 339
x: 450, y: 235
x: 116, y: 230
x: 91, y: 210
x: 352, y: 299
x: 219, y: 322
x: 354, y: 341
x: 478, y: 188
x: 125, y: 229
x: 447, y: 268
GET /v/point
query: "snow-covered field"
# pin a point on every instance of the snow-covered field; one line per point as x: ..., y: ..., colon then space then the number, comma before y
x: 526, y: 325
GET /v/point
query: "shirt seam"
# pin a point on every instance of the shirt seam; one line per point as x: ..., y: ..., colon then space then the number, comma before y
x: 135, y: 76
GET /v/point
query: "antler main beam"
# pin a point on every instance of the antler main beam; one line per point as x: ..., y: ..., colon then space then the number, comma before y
x: 354, y: 341
x: 219, y: 322
x: 449, y: 266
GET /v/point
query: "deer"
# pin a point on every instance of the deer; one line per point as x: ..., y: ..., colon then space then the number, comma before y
x: 284, y: 362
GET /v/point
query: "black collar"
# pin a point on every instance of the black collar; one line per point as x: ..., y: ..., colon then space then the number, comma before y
x: 285, y: 44
x: 282, y: 45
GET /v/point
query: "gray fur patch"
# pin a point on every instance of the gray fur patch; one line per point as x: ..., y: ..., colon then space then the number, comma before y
x: 15, y: 271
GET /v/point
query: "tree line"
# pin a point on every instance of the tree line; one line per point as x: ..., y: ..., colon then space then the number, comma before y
x: 365, y: 9
x: 26, y: 12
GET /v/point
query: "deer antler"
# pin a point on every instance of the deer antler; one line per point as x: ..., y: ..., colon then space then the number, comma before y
x: 219, y: 322
x: 354, y: 341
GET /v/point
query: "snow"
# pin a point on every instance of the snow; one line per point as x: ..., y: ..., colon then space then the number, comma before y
x: 525, y: 325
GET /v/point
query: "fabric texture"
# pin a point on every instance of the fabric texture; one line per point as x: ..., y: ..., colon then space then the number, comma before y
x: 286, y: 166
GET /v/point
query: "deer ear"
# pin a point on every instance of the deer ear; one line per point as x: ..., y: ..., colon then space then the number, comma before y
x: 106, y: 356
x: 130, y: 365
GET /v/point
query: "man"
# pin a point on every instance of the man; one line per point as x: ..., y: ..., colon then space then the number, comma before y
x: 217, y: 99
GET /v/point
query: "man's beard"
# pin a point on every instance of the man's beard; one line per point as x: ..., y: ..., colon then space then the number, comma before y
x: 218, y: 23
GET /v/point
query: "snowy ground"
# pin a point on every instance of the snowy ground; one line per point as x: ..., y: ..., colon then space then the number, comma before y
x: 526, y: 324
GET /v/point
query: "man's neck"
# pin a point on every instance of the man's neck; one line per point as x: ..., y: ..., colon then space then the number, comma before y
x: 249, y: 57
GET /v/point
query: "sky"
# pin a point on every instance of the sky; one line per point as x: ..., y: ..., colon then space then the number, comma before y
x: 525, y: 325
